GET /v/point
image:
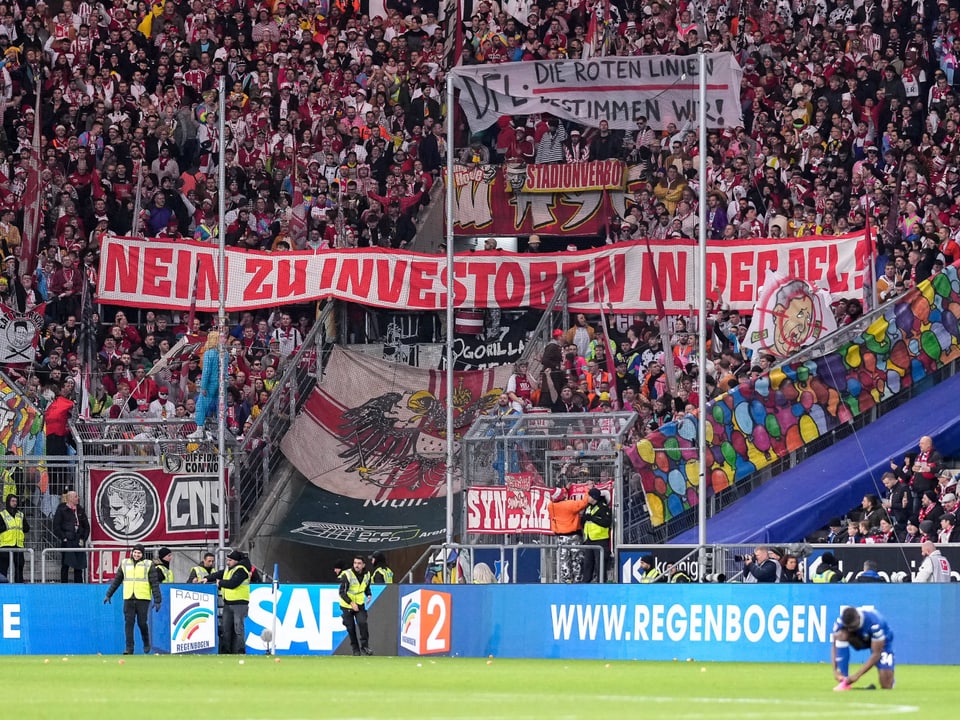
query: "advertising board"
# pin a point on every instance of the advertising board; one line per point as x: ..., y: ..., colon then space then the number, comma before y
x: 733, y: 623
x: 307, y: 619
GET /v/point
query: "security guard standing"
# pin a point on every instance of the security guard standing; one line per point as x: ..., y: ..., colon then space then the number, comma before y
x: 597, y: 520
x: 164, y: 573
x: 234, y: 584
x: 140, y: 584
x: 13, y: 527
x: 354, y: 593
x: 199, y: 572
x: 382, y: 574
x: 9, y: 482
x: 828, y: 571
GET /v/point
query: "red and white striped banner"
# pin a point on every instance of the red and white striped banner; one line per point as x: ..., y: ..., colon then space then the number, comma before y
x: 160, y: 274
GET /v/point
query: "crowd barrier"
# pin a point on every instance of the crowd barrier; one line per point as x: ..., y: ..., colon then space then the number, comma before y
x: 714, y: 623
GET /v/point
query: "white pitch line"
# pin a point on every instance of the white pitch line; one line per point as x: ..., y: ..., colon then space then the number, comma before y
x: 736, y: 710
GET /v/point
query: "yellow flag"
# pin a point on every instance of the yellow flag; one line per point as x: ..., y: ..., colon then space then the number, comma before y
x: 146, y: 25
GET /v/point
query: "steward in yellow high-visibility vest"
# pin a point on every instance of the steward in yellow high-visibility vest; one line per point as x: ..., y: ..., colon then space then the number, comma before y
x: 828, y: 571
x: 140, y: 584
x: 164, y: 573
x: 13, y: 527
x: 234, y: 584
x: 648, y: 563
x: 354, y: 593
x: 597, y: 520
x: 382, y: 574
x: 9, y: 483
x: 200, y: 573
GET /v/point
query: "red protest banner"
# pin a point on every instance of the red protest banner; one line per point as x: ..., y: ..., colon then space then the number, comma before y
x: 163, y: 275
x: 152, y: 506
x: 497, y: 510
x: 492, y: 200
x: 575, y: 177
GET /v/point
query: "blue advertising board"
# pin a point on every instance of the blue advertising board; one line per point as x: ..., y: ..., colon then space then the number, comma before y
x: 59, y: 620
x: 307, y: 620
x: 743, y: 623
x: 72, y: 620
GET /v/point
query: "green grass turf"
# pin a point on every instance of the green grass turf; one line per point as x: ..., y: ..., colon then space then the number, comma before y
x: 218, y: 687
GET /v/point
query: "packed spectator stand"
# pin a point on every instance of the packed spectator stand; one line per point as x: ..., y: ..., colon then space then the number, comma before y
x: 335, y: 137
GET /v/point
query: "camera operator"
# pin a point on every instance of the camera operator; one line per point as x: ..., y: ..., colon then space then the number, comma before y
x: 760, y: 567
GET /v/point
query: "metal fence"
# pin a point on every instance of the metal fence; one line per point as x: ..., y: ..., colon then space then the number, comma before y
x: 553, y: 448
x: 495, y: 563
x: 40, y: 482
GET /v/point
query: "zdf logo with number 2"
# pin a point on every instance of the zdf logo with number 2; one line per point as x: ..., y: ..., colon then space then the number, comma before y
x: 425, y: 622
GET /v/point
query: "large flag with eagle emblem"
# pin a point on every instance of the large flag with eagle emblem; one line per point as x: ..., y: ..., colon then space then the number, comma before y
x: 375, y: 430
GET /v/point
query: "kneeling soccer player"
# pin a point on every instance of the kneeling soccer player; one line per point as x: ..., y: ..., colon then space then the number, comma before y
x: 860, y: 629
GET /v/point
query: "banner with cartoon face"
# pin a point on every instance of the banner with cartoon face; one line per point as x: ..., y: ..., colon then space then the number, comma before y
x: 790, y: 314
x: 20, y: 334
x: 153, y: 505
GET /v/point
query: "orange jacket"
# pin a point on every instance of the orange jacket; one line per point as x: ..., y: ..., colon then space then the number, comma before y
x: 565, y: 515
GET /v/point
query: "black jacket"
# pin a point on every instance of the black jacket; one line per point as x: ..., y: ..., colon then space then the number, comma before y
x: 765, y: 572
x: 72, y: 529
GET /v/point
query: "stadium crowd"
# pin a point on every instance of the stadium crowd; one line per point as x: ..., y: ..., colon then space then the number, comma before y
x: 335, y: 138
x: 335, y: 133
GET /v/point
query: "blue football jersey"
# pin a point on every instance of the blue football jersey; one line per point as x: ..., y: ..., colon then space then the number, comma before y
x: 874, y: 627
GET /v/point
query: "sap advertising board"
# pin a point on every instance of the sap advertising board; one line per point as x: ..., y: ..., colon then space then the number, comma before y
x: 744, y: 623
x: 308, y: 619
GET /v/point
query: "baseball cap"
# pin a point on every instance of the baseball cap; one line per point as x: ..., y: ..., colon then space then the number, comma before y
x: 949, y: 497
x: 558, y: 333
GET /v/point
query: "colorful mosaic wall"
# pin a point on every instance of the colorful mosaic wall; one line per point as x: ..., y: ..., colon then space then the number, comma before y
x: 759, y: 422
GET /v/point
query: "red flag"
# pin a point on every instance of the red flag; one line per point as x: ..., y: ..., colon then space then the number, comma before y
x: 668, y: 367
x: 193, y: 299
x: 610, y: 351
x: 31, y: 194
x: 869, y: 247
x: 590, y: 38
x: 298, y: 217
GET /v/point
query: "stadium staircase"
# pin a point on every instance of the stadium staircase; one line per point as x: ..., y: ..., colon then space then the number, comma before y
x: 263, y: 487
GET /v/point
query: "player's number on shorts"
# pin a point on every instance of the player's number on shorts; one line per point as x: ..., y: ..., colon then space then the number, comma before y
x: 886, y: 658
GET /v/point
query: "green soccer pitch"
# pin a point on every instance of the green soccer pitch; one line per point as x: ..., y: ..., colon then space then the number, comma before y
x: 288, y: 688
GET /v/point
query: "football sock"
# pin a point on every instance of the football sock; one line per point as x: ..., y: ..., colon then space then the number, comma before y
x: 843, y: 658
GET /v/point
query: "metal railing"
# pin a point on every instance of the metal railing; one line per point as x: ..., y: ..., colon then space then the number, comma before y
x: 97, y: 576
x: 256, y: 472
x: 131, y: 441
x: 555, y: 316
x: 463, y: 568
x: 11, y: 552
